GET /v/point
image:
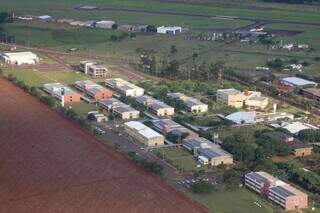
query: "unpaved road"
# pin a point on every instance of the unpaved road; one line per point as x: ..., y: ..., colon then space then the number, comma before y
x: 48, y: 164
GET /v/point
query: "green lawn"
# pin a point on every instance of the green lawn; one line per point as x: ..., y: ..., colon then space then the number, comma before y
x: 36, y: 78
x: 62, y: 6
x: 82, y: 108
x: 179, y: 158
x: 239, y: 201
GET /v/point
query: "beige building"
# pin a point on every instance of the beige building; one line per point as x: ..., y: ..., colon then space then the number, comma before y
x: 93, y: 69
x: 119, y: 109
x: 155, y: 106
x: 276, y: 190
x: 191, y: 104
x: 143, y: 134
x: 230, y: 97
x: 124, y: 87
x: 257, y: 102
x: 206, y: 151
x: 237, y: 99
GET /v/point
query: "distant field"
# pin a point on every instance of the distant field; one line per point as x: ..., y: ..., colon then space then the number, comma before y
x: 47, y: 6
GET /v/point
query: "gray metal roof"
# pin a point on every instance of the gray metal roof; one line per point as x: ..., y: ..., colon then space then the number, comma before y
x: 281, y: 191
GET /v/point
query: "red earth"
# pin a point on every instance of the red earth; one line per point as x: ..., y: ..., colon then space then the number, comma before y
x: 48, y: 164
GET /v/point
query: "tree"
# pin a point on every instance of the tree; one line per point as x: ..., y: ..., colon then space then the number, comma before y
x: 173, y: 50
x: 115, y: 26
x: 202, y: 187
x: 309, y: 135
x: 4, y: 17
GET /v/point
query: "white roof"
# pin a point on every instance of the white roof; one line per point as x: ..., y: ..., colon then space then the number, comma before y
x: 298, y: 81
x: 239, y: 117
x: 19, y: 54
x: 296, y: 127
x: 44, y: 17
x: 142, y: 129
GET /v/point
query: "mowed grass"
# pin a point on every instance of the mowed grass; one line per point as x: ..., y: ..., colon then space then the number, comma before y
x: 179, y: 158
x: 82, y: 108
x: 239, y: 201
x: 48, y: 6
x: 57, y: 36
x: 37, y: 79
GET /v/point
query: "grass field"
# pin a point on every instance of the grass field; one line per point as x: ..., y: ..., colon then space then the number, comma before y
x: 36, y: 78
x: 82, y: 108
x: 179, y: 158
x: 240, y: 201
x: 47, y: 6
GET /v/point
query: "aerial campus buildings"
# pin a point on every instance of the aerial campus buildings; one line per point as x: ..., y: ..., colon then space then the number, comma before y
x: 61, y: 92
x: 119, y: 109
x: 237, y: 99
x: 167, y: 127
x: 143, y: 134
x: 276, y: 190
x: 93, y: 69
x: 124, y: 87
x: 155, y: 106
x: 93, y: 90
x: 169, y: 30
x: 193, y: 105
x: 207, y: 152
x: 19, y: 58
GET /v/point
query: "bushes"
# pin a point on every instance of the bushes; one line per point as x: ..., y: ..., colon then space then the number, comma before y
x: 202, y: 187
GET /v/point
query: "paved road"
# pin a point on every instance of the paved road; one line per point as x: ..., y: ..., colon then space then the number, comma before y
x: 127, y: 145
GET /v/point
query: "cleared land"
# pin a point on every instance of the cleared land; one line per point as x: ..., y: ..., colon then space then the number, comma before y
x: 50, y: 165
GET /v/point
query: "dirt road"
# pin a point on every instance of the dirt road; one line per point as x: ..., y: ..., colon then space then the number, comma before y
x: 49, y: 164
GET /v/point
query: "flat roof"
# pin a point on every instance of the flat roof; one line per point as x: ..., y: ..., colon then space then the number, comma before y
x: 261, y: 177
x: 239, y: 117
x: 229, y: 91
x: 298, y: 81
x: 296, y: 127
x: 142, y: 129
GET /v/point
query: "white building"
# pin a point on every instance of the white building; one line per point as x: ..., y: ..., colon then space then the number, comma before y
x: 296, y: 127
x: 169, y: 30
x: 104, y: 24
x: 155, y: 106
x: 19, y: 58
x: 297, y: 82
x: 61, y: 92
x: 205, y: 150
x: 143, y: 134
x: 193, y: 105
x: 124, y: 87
x: 119, y: 109
x: 93, y: 69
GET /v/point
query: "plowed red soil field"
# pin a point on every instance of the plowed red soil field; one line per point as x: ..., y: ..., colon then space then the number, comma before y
x: 48, y: 164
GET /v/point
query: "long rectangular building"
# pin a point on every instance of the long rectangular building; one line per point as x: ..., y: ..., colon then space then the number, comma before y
x: 119, y: 109
x: 143, y: 134
x: 93, y: 90
x: 19, y: 58
x: 61, y: 92
x: 276, y: 190
x: 192, y: 105
x: 205, y: 149
x: 155, y: 106
x: 124, y: 87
